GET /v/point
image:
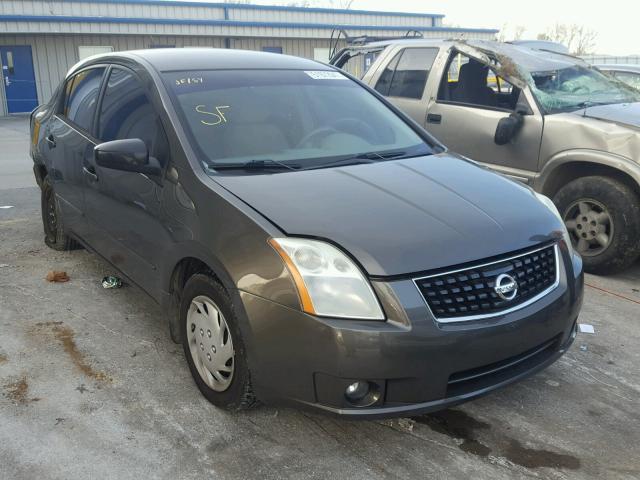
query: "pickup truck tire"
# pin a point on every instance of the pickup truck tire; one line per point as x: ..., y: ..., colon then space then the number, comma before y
x: 603, y: 218
x: 52, y: 221
x: 213, y: 344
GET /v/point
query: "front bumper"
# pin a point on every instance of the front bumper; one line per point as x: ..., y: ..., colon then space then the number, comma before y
x: 418, y: 364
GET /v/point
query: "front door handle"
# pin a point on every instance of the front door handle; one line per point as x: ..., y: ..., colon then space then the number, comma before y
x: 434, y: 118
x: 90, y: 172
x: 51, y: 141
x: 7, y: 82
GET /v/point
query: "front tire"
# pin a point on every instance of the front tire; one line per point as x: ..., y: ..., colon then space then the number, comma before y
x: 603, y: 219
x: 213, y: 344
x: 52, y: 221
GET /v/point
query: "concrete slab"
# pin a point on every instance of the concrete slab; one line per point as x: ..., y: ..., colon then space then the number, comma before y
x: 15, y: 164
x: 91, y: 386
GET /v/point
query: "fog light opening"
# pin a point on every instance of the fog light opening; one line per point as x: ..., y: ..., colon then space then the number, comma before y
x: 362, y: 393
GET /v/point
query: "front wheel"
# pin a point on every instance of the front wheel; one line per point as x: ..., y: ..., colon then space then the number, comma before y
x: 602, y: 216
x: 213, y: 344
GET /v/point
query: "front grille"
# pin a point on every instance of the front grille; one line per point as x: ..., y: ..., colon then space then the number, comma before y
x: 469, y: 293
x: 479, y: 378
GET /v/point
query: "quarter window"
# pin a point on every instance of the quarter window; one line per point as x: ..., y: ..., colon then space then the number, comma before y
x: 81, y: 96
x: 406, y: 75
x: 126, y: 112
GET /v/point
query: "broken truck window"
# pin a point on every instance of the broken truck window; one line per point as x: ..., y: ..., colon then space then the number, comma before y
x: 578, y: 87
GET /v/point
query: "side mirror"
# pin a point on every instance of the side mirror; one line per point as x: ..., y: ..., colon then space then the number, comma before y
x: 130, y: 155
x: 507, y: 128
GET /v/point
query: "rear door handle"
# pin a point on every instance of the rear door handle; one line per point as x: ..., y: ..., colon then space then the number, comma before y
x: 90, y: 172
x: 51, y: 141
x: 434, y: 118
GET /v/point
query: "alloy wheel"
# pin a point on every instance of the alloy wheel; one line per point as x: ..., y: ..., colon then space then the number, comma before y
x: 590, y: 226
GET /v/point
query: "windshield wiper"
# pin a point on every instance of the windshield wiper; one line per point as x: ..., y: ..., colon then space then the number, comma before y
x: 255, y: 165
x: 380, y: 155
x: 359, y: 158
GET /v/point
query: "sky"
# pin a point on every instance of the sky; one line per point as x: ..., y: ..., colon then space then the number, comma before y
x: 615, y: 21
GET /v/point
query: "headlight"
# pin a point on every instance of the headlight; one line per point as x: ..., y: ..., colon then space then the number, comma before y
x: 329, y: 283
x: 551, y: 206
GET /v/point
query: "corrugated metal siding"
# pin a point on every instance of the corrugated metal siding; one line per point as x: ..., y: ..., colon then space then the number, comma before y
x: 53, y: 55
x: 41, y: 7
x: 55, y: 42
x: 132, y: 28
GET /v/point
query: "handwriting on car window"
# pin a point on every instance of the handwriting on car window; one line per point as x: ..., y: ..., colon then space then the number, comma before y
x: 189, y: 81
x: 218, y: 117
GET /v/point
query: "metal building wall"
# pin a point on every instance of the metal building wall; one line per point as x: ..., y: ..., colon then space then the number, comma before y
x: 240, y: 12
x: 53, y: 55
x: 56, y: 28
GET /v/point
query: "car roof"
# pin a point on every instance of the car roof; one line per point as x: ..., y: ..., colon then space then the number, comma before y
x: 619, y: 67
x: 542, y: 45
x: 178, y: 59
x: 530, y: 59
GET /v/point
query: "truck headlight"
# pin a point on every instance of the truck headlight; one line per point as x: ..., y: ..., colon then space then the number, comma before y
x: 329, y: 283
x: 551, y: 206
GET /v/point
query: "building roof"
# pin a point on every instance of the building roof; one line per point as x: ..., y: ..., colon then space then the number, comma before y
x: 173, y: 17
x: 232, y: 23
x: 248, y: 6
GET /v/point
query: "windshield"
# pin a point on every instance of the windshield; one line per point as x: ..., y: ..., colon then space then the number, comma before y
x: 303, y: 119
x: 578, y: 87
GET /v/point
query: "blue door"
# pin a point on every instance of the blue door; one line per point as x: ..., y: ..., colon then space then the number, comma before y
x: 18, y: 77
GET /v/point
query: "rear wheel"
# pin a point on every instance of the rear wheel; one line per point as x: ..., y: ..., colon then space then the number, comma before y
x: 52, y: 221
x: 213, y: 344
x: 602, y: 216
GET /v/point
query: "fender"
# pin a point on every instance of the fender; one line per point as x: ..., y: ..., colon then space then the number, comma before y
x: 593, y: 157
x: 193, y: 249
x: 170, y: 301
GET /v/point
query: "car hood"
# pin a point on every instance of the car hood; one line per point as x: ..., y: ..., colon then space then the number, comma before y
x: 403, y: 216
x: 622, y: 113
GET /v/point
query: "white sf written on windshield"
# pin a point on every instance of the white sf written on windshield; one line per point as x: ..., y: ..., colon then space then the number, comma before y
x: 219, y: 116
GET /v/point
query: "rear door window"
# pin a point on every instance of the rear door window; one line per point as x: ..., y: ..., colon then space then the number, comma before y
x: 81, y: 97
x: 406, y: 75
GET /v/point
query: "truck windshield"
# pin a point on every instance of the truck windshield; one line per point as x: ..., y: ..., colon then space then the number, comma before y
x: 578, y: 87
x: 302, y: 119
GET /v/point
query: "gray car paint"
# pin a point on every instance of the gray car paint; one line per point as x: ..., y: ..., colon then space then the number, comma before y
x: 225, y: 222
x: 410, y: 203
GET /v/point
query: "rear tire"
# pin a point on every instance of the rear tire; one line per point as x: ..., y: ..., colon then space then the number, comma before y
x: 204, y: 301
x: 52, y: 221
x: 603, y: 219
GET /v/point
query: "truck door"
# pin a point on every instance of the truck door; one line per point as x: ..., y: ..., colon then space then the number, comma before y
x: 471, y: 100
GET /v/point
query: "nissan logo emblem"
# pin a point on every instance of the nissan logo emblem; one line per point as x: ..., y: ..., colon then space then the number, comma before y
x: 506, y: 287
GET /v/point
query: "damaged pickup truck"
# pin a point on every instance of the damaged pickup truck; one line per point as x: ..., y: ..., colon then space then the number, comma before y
x: 547, y: 119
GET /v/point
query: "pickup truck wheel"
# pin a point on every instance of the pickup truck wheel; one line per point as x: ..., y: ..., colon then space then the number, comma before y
x: 52, y: 221
x: 603, y: 219
x: 213, y: 344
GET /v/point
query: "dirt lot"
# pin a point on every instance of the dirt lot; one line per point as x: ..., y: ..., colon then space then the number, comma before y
x: 91, y: 386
